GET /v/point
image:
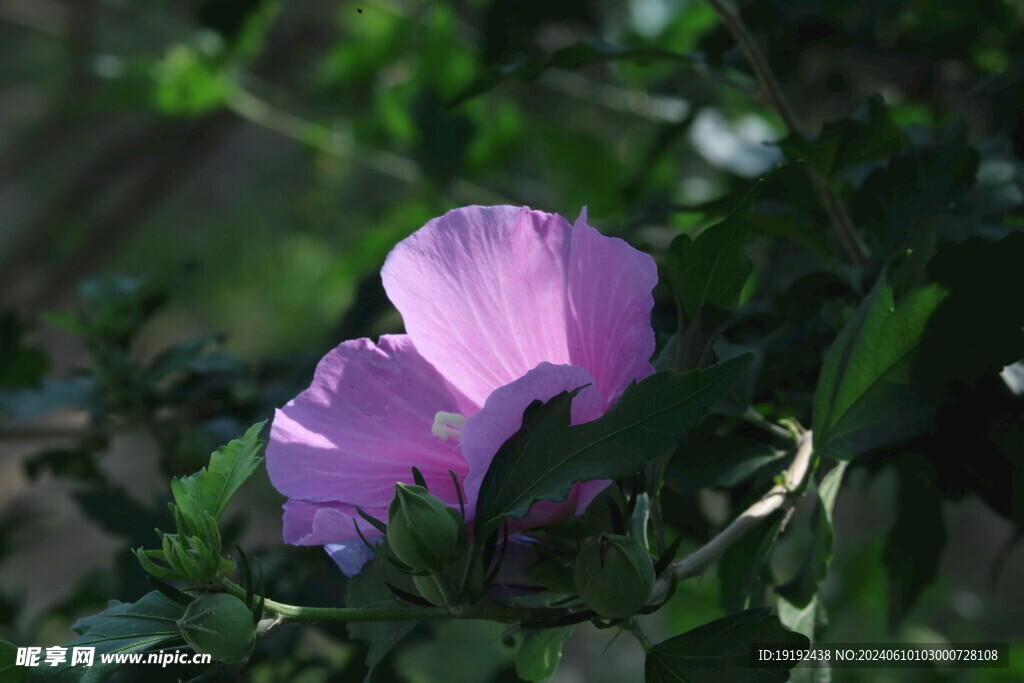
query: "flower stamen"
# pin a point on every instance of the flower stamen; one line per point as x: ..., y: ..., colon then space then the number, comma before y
x: 448, y: 425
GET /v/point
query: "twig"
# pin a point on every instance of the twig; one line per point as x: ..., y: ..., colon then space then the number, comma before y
x: 758, y: 420
x: 837, y: 214
x: 336, y: 142
x: 780, y: 496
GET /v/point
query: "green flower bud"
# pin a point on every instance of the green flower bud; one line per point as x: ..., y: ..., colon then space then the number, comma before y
x: 218, y: 624
x: 614, y: 575
x: 423, y: 532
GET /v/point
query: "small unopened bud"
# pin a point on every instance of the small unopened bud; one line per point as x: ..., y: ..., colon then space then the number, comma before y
x: 218, y: 624
x: 614, y: 575
x: 423, y: 532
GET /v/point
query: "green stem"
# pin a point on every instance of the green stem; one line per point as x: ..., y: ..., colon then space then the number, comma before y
x: 491, y: 612
x: 641, y: 637
x: 759, y: 420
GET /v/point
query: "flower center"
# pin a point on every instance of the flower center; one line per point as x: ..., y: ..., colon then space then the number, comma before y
x: 448, y: 425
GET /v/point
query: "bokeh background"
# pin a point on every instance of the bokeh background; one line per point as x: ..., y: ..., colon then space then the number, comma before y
x: 235, y: 171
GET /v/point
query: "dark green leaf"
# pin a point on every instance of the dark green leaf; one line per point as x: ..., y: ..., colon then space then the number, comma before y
x: 866, y: 394
x: 982, y: 318
x: 210, y: 489
x: 719, y: 651
x: 123, y: 627
x: 590, y: 51
x: 9, y: 670
x: 912, y: 549
x: 713, y: 269
x: 801, y: 589
x: 547, y: 456
x: 742, y: 569
x: 915, y: 187
x: 717, y: 461
x: 539, y: 655
x: 369, y: 589
x: 868, y: 134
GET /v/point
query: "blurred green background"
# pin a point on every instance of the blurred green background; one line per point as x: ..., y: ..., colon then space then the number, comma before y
x: 264, y: 157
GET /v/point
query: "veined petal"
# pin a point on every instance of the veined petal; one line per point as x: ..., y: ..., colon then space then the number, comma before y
x: 482, y: 292
x: 502, y: 416
x: 487, y: 293
x: 610, y: 302
x: 364, y: 422
x: 322, y: 523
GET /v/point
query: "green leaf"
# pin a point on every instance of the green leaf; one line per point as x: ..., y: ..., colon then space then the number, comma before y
x: 913, y: 546
x: 148, y: 624
x: 742, y: 569
x: 583, y: 53
x: 799, y: 602
x: 802, y: 620
x: 801, y: 589
x: 210, y: 489
x: 866, y: 394
x: 867, y: 134
x: 719, y: 651
x: 723, y: 461
x: 712, y: 269
x: 539, y: 655
x: 369, y: 588
x: 896, y: 201
x: 9, y: 670
x: 547, y: 456
x: 460, y: 651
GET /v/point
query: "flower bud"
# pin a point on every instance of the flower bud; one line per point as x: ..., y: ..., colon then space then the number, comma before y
x: 423, y: 532
x: 218, y: 624
x: 614, y: 575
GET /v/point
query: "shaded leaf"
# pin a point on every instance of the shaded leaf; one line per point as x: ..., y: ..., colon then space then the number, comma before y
x: 719, y: 651
x: 801, y: 589
x: 712, y: 269
x: 547, y: 456
x: 369, y: 589
x: 896, y: 200
x: 866, y: 394
x: 540, y: 653
x: 869, y: 133
x: 148, y: 624
x: 743, y: 567
x: 9, y: 670
x: 913, y: 546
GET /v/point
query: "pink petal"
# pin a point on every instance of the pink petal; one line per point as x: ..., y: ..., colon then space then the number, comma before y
x: 610, y: 302
x: 490, y: 292
x: 502, y: 416
x: 482, y: 291
x: 323, y: 523
x: 361, y: 426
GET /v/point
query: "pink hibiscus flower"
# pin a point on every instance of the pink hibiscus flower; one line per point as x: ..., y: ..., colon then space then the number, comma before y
x: 502, y: 306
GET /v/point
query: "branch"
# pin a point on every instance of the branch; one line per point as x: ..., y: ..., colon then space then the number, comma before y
x: 298, y: 614
x: 838, y: 216
x: 781, y: 496
x: 336, y: 142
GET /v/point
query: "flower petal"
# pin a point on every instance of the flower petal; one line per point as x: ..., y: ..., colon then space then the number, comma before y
x: 490, y: 292
x: 610, y: 302
x: 482, y: 291
x: 364, y: 422
x: 350, y: 557
x: 323, y: 523
x: 502, y: 416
